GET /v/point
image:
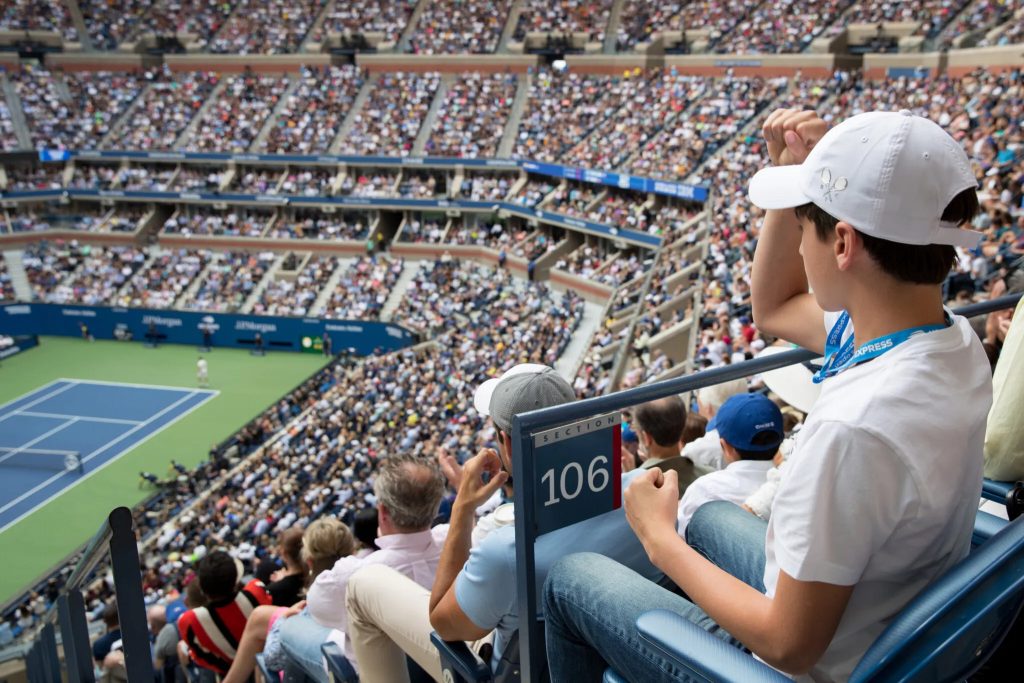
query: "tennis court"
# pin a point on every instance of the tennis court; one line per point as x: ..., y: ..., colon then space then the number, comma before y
x: 56, y: 436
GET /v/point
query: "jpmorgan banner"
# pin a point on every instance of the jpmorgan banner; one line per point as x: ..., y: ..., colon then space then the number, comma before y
x: 187, y: 327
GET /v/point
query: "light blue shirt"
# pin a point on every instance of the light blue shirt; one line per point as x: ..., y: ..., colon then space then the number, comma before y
x: 486, y: 587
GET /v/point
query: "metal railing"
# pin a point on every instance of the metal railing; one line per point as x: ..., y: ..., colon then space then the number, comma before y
x: 531, y: 643
x: 115, y: 537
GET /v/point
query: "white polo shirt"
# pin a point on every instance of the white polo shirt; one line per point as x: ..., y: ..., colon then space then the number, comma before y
x: 735, y: 484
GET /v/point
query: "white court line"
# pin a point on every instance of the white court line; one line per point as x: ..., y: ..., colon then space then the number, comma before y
x: 40, y: 399
x: 34, y: 391
x: 33, y: 442
x: 39, y: 450
x: 90, y: 456
x: 160, y: 387
x: 83, y: 418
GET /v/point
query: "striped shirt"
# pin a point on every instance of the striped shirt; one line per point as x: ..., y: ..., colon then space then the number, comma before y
x: 213, y: 632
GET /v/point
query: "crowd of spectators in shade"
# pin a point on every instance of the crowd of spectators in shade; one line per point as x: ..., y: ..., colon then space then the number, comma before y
x: 472, y: 118
x: 111, y: 23
x: 309, y: 182
x: 392, y: 116
x: 150, y: 178
x: 123, y: 218
x: 314, y: 225
x: 564, y: 16
x: 485, y: 187
x: 363, y: 288
x: 368, y: 182
x: 313, y: 113
x: 237, y: 222
x: 166, y: 108
x: 424, y: 231
x: 533, y: 192
x: 38, y: 15
x: 198, y: 178
x: 163, y: 279
x: 422, y: 185
x: 228, y: 282
x: 454, y: 26
x: 386, y: 17
x: 235, y: 118
x: 44, y: 177
x: 255, y: 180
x: 266, y: 27
x: 295, y: 294
x: 493, y: 234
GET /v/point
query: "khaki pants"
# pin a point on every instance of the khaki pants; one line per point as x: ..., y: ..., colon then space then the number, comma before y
x: 389, y: 618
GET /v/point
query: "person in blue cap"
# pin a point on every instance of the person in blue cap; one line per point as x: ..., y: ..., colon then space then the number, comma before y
x: 750, y: 429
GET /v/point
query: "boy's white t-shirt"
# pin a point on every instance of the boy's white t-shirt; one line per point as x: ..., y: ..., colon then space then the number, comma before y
x: 884, y: 483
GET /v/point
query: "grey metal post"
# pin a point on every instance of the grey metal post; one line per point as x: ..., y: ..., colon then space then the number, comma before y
x: 75, y: 637
x: 531, y: 645
x: 131, y: 606
x: 48, y: 653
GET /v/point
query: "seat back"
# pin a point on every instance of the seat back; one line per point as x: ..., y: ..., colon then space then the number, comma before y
x: 957, y: 622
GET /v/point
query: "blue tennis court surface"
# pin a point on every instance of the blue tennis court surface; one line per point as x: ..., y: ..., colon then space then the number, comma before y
x: 97, y: 421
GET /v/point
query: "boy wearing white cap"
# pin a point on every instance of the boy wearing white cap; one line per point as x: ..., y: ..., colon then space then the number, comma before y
x: 886, y: 473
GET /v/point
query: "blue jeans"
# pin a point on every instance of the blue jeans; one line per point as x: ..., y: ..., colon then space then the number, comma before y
x: 301, y: 638
x: 591, y: 603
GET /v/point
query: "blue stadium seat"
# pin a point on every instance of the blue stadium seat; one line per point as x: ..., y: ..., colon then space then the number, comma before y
x: 996, y: 490
x: 985, y: 527
x: 460, y: 663
x: 946, y: 633
x: 338, y: 665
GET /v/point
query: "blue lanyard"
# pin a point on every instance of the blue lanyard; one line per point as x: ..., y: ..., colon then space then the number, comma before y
x: 839, y: 358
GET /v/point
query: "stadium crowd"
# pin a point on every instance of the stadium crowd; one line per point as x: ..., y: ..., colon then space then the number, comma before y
x: 363, y: 289
x: 314, y: 111
x: 391, y: 118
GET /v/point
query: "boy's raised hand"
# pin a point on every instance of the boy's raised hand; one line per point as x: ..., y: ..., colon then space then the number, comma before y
x: 791, y: 134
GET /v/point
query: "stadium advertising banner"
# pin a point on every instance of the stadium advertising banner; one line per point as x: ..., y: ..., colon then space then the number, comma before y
x: 12, y: 346
x: 187, y: 327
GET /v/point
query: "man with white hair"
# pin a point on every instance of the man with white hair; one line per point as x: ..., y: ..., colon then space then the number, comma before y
x: 706, y: 452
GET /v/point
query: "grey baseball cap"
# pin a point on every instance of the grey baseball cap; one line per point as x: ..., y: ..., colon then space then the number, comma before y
x: 522, y: 388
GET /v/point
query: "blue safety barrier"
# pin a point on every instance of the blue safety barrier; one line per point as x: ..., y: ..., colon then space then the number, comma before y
x: 188, y: 327
x: 115, y: 538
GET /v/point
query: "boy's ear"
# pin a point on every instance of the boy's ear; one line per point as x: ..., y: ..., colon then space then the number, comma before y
x: 845, y: 245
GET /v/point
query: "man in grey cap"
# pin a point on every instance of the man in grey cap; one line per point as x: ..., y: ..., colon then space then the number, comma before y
x: 474, y: 590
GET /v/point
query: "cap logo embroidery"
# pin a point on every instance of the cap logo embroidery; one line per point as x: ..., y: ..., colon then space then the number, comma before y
x: 829, y: 187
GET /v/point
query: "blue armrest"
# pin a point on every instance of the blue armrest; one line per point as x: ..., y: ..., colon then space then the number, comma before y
x: 996, y: 490
x: 985, y: 527
x: 460, y: 661
x: 338, y: 665
x: 702, y: 654
x: 612, y: 676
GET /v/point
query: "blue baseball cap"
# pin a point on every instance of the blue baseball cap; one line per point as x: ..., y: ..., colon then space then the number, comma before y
x: 628, y: 434
x: 743, y: 416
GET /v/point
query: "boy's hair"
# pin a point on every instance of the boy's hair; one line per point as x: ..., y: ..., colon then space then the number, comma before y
x: 927, y: 264
x: 218, y: 575
x: 764, y: 438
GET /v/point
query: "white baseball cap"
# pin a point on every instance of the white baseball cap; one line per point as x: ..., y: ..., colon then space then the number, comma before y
x: 793, y: 383
x: 888, y: 174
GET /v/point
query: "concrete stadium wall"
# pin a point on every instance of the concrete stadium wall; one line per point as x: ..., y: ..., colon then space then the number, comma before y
x: 491, y: 64
x: 811, y: 65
